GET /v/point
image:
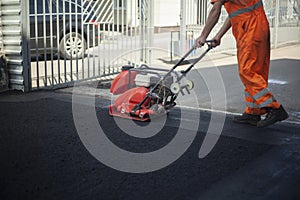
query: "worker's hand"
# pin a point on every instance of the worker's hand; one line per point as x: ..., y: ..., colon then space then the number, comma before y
x: 200, y: 41
x: 216, y: 41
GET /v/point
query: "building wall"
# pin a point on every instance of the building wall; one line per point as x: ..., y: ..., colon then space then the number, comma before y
x: 167, y: 13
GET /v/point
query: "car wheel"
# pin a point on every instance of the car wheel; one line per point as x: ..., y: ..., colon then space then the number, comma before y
x: 72, y: 45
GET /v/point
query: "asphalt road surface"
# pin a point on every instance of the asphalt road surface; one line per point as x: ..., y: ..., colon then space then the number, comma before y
x: 43, y: 156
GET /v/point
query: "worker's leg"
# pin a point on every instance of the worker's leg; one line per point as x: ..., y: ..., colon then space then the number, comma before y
x: 252, y: 112
x: 254, y: 60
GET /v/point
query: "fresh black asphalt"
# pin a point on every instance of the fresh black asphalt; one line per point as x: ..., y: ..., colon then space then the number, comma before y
x: 42, y: 156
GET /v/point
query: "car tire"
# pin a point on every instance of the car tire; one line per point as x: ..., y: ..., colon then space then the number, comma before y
x: 72, y: 46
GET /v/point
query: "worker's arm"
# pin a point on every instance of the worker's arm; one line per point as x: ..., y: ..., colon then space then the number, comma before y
x: 217, y: 39
x: 211, y: 21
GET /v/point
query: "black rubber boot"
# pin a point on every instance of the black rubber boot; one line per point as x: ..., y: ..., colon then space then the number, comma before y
x: 247, y: 119
x: 273, y: 116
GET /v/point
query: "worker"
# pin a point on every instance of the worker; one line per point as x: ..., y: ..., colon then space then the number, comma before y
x: 250, y: 28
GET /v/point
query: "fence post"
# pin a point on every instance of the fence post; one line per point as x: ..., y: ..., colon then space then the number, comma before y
x: 25, y: 27
x: 150, y: 31
x: 276, y: 26
x: 182, y: 27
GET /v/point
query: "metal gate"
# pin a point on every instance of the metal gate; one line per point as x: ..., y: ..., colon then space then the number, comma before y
x: 72, y: 40
x: 194, y: 15
x: 283, y: 15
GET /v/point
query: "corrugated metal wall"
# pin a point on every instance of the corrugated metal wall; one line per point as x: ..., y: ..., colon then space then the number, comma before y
x: 14, y: 42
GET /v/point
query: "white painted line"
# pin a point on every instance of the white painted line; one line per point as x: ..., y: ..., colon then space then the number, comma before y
x: 279, y: 82
x: 230, y: 113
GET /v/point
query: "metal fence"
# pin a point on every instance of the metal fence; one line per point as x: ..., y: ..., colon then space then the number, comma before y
x: 53, y: 43
x: 73, y: 40
x: 284, y: 19
x: 283, y: 16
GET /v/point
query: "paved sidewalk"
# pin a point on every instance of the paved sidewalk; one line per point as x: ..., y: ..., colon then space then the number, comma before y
x: 287, y: 52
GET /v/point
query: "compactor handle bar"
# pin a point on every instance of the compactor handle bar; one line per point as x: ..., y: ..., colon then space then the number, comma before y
x: 208, y: 42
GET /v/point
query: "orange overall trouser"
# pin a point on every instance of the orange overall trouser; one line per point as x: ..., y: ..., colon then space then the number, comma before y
x: 250, y: 28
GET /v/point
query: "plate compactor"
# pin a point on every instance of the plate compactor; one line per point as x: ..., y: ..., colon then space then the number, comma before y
x: 146, y: 92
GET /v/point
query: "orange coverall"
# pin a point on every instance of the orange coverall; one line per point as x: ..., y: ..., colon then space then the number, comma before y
x: 250, y: 28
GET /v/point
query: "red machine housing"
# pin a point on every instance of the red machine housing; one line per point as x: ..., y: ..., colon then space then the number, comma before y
x: 126, y: 102
x: 124, y: 81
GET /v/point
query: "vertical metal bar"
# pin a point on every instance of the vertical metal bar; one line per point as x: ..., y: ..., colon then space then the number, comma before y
x: 116, y: 31
x: 93, y: 23
x: 64, y: 40
x: 205, y: 12
x: 132, y: 4
x: 83, y: 53
x: 276, y: 24
x: 150, y: 29
x: 189, y: 10
x: 71, y: 39
x: 138, y: 29
x: 86, y: 23
x: 104, y: 45
x: 51, y: 41
x: 26, y: 45
x: 125, y: 24
x: 36, y: 43
x: 99, y: 39
x: 145, y: 30
x: 142, y: 30
x: 76, y: 35
x: 99, y: 45
x: 182, y: 26
x: 171, y: 47
x: 58, y: 40
x: 45, y: 44
x: 94, y: 44
x: 88, y: 53
x: 123, y: 48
